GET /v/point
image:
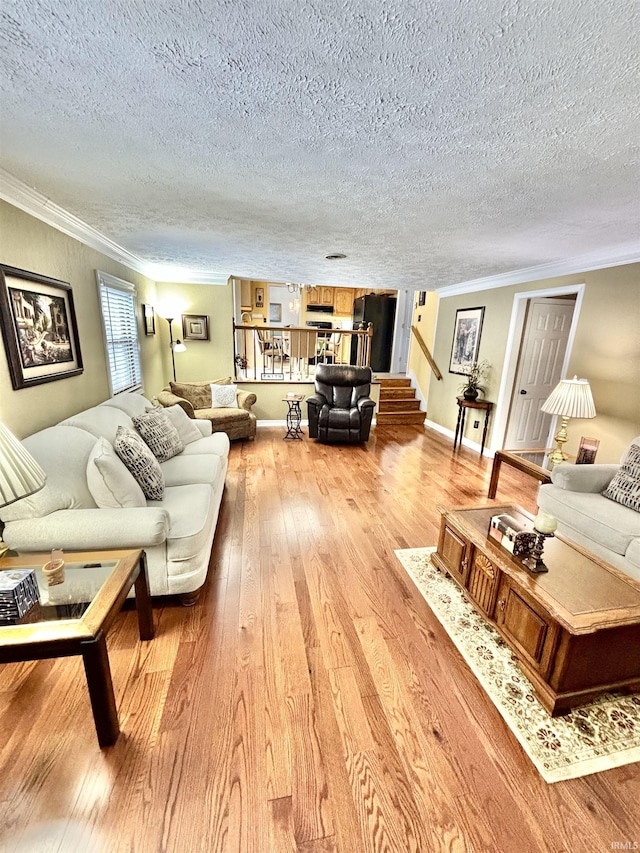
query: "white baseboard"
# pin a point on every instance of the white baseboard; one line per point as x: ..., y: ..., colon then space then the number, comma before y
x: 472, y: 445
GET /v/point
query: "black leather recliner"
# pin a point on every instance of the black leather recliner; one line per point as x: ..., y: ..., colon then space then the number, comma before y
x: 341, y: 409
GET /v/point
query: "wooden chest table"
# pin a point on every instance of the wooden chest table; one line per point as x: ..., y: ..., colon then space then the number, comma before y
x: 574, y: 629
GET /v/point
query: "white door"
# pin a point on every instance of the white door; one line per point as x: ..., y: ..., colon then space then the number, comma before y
x: 542, y: 353
x: 402, y: 331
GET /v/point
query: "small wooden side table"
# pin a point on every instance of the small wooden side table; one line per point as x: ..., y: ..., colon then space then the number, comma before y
x: 294, y: 416
x: 463, y: 405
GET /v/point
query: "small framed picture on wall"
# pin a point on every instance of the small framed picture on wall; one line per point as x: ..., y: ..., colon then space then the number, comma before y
x: 195, y: 327
x: 466, y: 339
x: 149, y: 318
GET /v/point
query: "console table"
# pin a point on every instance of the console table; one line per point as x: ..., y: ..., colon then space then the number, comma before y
x: 463, y: 405
x: 574, y: 629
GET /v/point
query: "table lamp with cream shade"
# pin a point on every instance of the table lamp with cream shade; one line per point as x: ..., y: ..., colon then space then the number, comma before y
x: 571, y: 398
x: 20, y: 474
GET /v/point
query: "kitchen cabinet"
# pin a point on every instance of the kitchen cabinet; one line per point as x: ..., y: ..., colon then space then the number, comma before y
x: 343, y: 300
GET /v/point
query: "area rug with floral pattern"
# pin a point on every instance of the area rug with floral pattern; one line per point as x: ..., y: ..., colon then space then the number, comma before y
x: 595, y: 737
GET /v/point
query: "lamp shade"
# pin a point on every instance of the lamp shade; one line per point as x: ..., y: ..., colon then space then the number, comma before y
x: 571, y: 398
x: 20, y: 474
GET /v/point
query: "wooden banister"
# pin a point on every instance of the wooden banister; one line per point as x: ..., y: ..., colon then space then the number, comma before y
x: 427, y: 354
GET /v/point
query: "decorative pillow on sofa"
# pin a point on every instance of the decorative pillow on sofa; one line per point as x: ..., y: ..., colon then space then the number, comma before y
x: 111, y: 484
x: 159, y: 433
x: 144, y: 466
x: 187, y: 430
x: 625, y: 486
x: 224, y: 396
x: 198, y: 394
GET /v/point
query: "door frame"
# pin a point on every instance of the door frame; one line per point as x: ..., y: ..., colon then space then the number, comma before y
x: 402, y: 331
x: 512, y: 352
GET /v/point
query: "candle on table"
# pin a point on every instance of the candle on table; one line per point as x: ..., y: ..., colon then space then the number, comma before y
x: 544, y: 523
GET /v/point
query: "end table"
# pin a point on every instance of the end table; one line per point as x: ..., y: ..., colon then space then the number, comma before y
x: 294, y: 416
x: 463, y: 405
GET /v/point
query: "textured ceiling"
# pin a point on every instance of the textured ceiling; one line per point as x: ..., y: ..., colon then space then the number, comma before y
x: 432, y: 142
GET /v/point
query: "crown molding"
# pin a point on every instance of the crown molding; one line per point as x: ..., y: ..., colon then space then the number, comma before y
x: 38, y: 205
x: 627, y: 253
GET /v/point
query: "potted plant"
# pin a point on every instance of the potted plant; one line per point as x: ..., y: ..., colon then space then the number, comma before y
x: 474, y: 375
x: 241, y: 362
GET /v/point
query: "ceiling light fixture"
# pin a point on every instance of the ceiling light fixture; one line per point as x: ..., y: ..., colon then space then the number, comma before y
x: 335, y: 256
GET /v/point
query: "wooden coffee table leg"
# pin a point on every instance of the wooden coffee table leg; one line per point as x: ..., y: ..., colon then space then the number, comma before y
x: 103, y: 703
x: 143, y: 602
x: 495, y: 474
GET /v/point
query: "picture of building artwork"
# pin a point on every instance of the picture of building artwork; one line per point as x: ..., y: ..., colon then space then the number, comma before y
x: 42, y: 327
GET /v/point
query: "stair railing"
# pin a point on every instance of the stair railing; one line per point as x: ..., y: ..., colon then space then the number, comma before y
x: 427, y: 354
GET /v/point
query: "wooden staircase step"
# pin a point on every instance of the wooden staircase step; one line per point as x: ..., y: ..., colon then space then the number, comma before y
x: 402, y: 393
x: 396, y: 382
x: 399, y: 405
x: 400, y: 418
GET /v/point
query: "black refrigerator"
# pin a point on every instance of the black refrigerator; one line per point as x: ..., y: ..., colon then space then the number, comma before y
x: 381, y: 311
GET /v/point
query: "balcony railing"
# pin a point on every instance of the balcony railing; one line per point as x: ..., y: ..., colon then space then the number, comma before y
x: 263, y: 353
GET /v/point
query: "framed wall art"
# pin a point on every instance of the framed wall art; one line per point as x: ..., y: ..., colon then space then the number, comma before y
x: 149, y: 319
x: 275, y: 312
x: 39, y: 328
x: 195, y: 327
x: 259, y: 297
x: 466, y: 339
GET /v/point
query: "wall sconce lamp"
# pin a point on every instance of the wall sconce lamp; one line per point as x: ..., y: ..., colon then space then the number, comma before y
x: 571, y: 398
x: 176, y: 346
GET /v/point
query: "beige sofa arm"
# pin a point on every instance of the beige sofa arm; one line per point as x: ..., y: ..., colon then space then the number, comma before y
x: 589, y: 479
x: 90, y: 529
x: 246, y: 399
x: 166, y: 398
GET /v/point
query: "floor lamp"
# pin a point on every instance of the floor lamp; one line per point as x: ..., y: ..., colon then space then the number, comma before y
x: 571, y: 398
x: 176, y: 346
x: 20, y: 474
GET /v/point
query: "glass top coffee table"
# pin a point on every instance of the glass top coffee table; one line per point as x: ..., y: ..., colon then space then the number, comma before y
x: 72, y: 618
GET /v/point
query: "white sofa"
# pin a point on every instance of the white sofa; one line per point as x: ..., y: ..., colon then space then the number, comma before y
x: 176, y: 533
x: 602, y: 526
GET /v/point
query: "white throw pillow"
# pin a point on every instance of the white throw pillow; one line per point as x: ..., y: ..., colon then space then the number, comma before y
x: 111, y: 484
x: 187, y: 430
x: 223, y: 396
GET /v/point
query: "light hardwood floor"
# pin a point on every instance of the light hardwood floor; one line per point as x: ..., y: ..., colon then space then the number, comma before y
x: 310, y: 701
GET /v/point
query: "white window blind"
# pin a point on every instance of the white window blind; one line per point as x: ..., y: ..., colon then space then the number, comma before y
x: 118, y: 304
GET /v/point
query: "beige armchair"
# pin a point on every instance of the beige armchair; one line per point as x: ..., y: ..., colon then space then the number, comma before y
x: 195, y: 398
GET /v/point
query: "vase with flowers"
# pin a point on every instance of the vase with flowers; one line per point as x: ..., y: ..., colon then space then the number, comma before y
x: 474, y: 375
x: 241, y: 363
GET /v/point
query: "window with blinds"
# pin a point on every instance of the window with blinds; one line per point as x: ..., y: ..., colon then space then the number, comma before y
x: 118, y: 304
